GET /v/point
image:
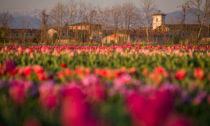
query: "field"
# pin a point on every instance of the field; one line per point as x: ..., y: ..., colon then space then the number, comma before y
x: 116, y: 85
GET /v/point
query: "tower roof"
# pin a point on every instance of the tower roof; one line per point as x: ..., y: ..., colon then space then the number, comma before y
x: 157, y: 14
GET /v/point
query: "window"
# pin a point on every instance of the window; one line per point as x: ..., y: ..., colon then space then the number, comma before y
x: 156, y: 19
x: 16, y: 34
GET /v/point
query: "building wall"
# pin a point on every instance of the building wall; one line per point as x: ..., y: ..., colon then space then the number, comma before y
x: 79, y: 27
x: 158, y: 20
x: 51, y: 32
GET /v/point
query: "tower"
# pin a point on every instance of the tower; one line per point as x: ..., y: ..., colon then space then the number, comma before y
x: 158, y: 20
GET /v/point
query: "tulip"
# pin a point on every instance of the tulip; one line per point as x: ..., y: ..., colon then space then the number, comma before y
x: 199, y: 73
x: 63, y: 65
x: 96, y: 94
x: 145, y: 72
x: 27, y: 71
x: 74, y: 110
x: 9, y: 65
x: 38, y: 69
x: 0, y: 67
x: 90, y: 80
x: 17, y: 93
x: 31, y: 56
x: 151, y: 110
x: 180, y: 74
x: 48, y: 97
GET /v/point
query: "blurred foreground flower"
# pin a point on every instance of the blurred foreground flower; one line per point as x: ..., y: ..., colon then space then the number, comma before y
x: 199, y: 73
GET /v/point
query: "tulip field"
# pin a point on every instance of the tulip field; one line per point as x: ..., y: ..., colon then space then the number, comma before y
x: 117, y: 85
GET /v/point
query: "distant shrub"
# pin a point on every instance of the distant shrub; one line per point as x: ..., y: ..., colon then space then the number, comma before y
x: 2, y: 34
x: 176, y: 39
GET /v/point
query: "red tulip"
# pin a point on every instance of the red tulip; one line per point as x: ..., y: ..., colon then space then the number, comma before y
x: 199, y: 73
x: 63, y: 65
x: 160, y: 70
x: 180, y: 74
x: 38, y: 69
x: 0, y: 67
x: 27, y: 71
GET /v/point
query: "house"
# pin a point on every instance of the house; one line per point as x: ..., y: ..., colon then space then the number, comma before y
x: 85, y: 26
x: 185, y: 30
x: 154, y: 36
x: 189, y: 30
x: 22, y: 35
x: 158, y: 20
x: 51, y: 32
x: 116, y: 38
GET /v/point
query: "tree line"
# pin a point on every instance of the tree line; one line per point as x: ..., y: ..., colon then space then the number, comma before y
x: 118, y: 17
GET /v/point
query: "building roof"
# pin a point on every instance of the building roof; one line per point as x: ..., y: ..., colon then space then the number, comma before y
x: 159, y: 14
x: 143, y: 33
x: 114, y: 35
x: 28, y: 30
x: 184, y: 26
x: 84, y: 23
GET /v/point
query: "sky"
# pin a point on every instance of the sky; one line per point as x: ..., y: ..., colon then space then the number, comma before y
x: 24, y: 5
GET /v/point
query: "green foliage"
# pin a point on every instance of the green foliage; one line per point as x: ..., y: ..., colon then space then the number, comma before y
x: 2, y: 34
x: 176, y: 39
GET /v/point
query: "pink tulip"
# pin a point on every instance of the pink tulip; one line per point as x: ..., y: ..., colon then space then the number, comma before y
x: 151, y: 110
x: 122, y: 80
x: 96, y: 94
x: 17, y: 93
x: 9, y: 65
x: 48, y: 97
x: 89, y: 80
x: 74, y: 110
x: 31, y: 56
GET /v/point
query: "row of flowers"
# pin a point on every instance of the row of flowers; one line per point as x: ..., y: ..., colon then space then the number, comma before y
x: 88, y: 97
x: 84, y: 101
x: 112, y: 47
x: 88, y: 48
x: 159, y: 75
x: 105, y: 86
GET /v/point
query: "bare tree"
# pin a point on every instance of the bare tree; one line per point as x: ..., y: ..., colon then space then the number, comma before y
x: 58, y: 17
x: 44, y: 26
x: 104, y: 19
x: 148, y: 8
x: 116, y: 14
x: 131, y: 16
x: 185, y: 9
x: 200, y: 5
x: 5, y: 19
x: 25, y: 27
x: 71, y: 7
